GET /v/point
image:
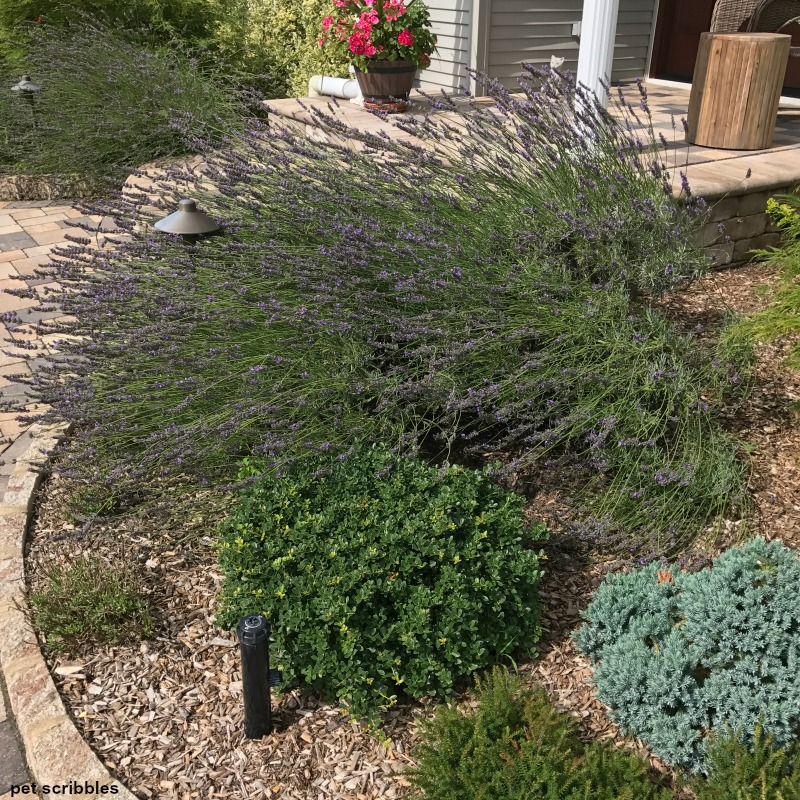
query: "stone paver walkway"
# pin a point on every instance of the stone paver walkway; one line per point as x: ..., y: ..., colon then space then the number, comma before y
x: 28, y: 232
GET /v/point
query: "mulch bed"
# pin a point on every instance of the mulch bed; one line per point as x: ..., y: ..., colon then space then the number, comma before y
x: 166, y: 715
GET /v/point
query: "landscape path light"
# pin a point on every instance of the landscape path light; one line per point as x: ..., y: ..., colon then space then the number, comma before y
x: 188, y: 222
x: 27, y: 88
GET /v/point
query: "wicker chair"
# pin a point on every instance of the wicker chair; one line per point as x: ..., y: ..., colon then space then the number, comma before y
x: 755, y: 16
x: 770, y: 16
x: 730, y: 15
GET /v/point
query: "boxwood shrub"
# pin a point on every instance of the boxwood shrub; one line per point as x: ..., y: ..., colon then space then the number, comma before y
x: 679, y: 657
x: 380, y: 573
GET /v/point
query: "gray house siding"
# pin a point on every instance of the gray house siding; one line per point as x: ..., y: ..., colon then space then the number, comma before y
x: 530, y: 31
x: 451, y: 23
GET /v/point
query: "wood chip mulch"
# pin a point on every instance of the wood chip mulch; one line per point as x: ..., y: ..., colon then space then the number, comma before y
x: 166, y: 714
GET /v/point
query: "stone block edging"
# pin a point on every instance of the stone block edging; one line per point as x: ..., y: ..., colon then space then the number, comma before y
x: 43, y: 187
x: 56, y: 752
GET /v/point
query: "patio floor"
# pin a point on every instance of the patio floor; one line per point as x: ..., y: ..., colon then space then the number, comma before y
x: 712, y: 173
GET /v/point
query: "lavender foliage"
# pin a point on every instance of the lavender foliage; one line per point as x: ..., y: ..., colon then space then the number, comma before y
x: 109, y: 100
x: 480, y: 287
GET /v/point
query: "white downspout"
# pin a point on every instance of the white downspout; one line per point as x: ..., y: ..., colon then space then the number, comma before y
x: 596, y: 53
x: 344, y: 88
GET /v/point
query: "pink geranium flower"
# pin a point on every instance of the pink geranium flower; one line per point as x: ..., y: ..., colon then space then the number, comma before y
x: 405, y: 37
x: 326, y: 23
x: 394, y: 9
x: 358, y: 44
x: 367, y: 20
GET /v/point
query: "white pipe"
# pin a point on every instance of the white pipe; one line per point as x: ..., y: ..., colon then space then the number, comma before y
x: 596, y: 54
x: 345, y: 88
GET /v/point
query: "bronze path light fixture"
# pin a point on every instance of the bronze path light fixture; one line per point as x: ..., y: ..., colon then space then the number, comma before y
x: 188, y: 222
x: 27, y: 88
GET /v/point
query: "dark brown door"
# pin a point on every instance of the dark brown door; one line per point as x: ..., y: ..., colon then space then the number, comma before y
x: 677, y: 36
x: 680, y: 23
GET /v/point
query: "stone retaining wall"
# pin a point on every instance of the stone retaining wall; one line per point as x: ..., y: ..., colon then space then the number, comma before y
x: 739, y: 224
x: 43, y: 187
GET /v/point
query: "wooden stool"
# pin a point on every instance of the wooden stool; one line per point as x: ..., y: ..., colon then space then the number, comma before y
x: 736, y: 89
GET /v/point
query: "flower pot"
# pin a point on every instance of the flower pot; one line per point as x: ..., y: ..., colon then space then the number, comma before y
x: 386, y: 84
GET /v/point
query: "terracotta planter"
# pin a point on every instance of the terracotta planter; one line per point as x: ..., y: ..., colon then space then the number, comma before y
x: 386, y: 84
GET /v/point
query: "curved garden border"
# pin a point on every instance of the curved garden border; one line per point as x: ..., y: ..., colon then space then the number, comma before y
x: 55, y: 750
x: 14, y: 188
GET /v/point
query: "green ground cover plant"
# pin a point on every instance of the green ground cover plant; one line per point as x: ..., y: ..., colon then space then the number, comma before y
x: 516, y: 746
x: 381, y: 575
x: 109, y: 103
x: 487, y: 295
x: 90, y: 601
x: 738, y: 772
x: 678, y: 656
x: 781, y: 317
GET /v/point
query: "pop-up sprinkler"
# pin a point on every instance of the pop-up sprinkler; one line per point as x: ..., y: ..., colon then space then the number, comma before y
x: 253, y: 634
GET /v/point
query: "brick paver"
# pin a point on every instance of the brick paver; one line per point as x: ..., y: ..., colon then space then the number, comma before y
x: 27, y: 235
x: 13, y: 770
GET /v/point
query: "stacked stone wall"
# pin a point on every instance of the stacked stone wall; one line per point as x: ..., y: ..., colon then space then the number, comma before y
x: 737, y: 225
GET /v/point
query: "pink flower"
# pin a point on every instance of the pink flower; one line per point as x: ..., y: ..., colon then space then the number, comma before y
x: 367, y: 20
x: 405, y: 37
x: 358, y: 44
x: 321, y: 41
x: 370, y: 51
x: 326, y: 23
x: 394, y: 9
x: 341, y: 3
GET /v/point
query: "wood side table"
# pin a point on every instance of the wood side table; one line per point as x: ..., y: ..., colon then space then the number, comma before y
x: 736, y: 90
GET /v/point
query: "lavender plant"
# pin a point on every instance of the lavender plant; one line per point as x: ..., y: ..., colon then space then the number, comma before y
x: 109, y: 101
x: 479, y: 288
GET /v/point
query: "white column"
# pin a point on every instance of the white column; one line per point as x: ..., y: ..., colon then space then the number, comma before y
x: 598, y: 31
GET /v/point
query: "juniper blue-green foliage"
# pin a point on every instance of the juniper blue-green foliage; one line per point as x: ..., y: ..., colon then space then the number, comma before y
x: 516, y: 746
x: 381, y: 574
x: 680, y: 655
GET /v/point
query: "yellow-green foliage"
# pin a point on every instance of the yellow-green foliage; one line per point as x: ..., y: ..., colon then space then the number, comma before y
x: 288, y: 30
x: 782, y: 316
x: 251, y: 37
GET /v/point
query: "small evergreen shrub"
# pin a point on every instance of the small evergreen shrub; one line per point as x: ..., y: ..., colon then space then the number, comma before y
x: 760, y: 772
x: 679, y: 656
x: 288, y: 30
x: 90, y: 601
x: 378, y: 573
x: 516, y: 746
